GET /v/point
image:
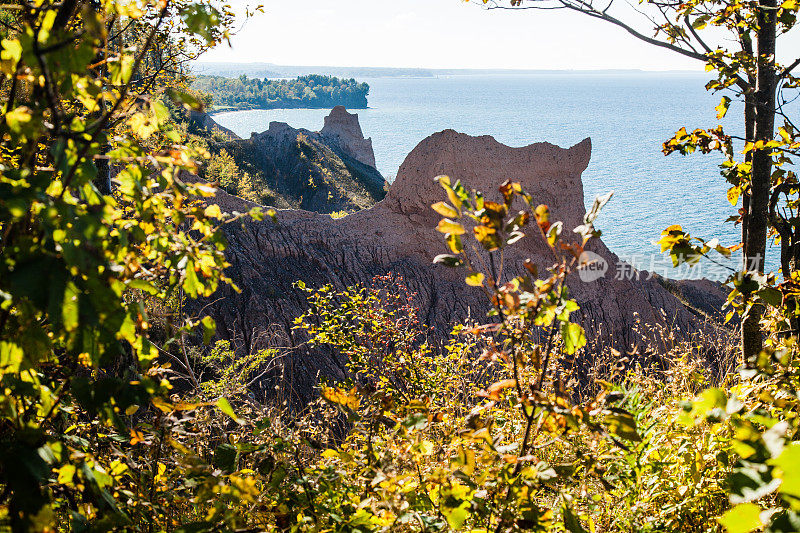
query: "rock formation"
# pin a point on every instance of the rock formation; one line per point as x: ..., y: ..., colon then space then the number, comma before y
x: 203, y: 121
x: 314, y: 171
x: 397, y: 235
x: 343, y: 129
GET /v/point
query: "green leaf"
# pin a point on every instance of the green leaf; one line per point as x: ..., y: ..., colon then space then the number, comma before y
x: 456, y: 516
x: 10, y: 358
x: 225, y: 406
x: 191, y: 283
x: 186, y: 99
x: 571, y: 522
x: 574, y: 337
x: 18, y: 119
x: 448, y: 260
x: 121, y: 68
x: 225, y: 456
x: 416, y: 421
x: 789, y: 464
x: 70, y: 307
x: 209, y: 329
x: 743, y: 518
x: 142, y: 285
x: 202, y: 20
x: 709, y: 400
x: 622, y: 424
x: 771, y: 296
x: 700, y: 22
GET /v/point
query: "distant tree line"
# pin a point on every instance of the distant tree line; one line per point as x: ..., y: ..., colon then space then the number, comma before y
x: 313, y: 91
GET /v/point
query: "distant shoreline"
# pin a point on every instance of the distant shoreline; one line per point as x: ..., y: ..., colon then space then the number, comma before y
x: 232, y: 110
x: 242, y: 93
x: 272, y: 71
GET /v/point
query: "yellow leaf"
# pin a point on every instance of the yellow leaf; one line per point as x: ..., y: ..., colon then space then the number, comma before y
x: 330, y: 454
x: 448, y: 226
x: 426, y: 447
x: 12, y: 52
x: 495, y: 389
x: 481, y: 232
x: 475, y: 279
x: 445, y: 209
x: 542, y: 214
x: 342, y: 397
x: 18, y: 118
x: 161, y: 404
x: 65, y: 474
x: 733, y: 195
x: 454, y: 243
x: 213, y: 211
x: 722, y: 108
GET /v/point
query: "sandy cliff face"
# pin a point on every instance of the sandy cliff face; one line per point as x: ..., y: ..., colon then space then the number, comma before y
x: 397, y: 235
x: 343, y: 129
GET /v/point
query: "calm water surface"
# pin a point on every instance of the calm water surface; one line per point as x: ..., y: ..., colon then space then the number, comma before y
x: 628, y: 116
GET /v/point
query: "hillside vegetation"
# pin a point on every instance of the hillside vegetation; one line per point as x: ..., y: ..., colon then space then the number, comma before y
x: 312, y: 91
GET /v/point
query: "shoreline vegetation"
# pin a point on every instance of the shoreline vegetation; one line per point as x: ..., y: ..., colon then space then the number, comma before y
x: 304, y: 92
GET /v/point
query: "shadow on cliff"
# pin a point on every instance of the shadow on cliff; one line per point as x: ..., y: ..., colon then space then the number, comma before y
x: 397, y: 235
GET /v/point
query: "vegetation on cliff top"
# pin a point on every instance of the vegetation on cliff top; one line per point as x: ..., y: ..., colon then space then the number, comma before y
x: 312, y: 91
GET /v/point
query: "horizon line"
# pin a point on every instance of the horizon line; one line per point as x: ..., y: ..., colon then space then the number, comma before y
x: 491, y: 69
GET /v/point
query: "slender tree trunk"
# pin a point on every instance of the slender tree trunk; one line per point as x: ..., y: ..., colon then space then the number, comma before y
x: 749, y: 136
x: 755, y: 244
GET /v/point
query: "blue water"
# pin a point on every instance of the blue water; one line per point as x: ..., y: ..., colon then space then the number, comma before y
x: 628, y: 116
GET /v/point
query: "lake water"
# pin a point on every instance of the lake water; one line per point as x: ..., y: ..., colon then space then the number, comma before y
x: 628, y: 116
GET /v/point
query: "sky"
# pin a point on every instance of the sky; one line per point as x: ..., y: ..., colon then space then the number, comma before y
x: 435, y: 34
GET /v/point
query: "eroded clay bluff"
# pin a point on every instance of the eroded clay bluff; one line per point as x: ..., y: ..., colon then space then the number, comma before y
x: 343, y: 129
x: 397, y: 235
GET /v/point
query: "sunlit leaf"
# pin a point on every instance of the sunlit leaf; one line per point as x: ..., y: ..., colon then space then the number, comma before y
x: 475, y: 279
x: 448, y: 226
x: 444, y: 209
x: 743, y: 518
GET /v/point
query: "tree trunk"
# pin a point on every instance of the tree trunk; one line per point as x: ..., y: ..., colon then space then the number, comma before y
x: 755, y: 244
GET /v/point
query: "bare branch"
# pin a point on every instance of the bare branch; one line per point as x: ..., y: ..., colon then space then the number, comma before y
x: 586, y: 8
x: 785, y: 72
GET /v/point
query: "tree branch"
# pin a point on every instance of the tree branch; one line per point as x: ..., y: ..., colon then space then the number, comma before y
x: 587, y: 8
